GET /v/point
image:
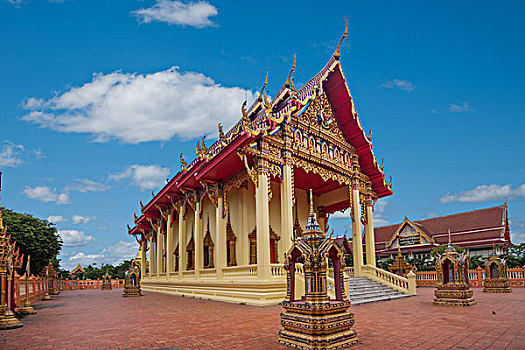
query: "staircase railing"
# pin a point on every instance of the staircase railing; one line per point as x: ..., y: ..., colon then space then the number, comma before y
x: 405, y: 285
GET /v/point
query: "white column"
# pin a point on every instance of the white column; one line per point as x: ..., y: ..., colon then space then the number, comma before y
x: 286, y: 208
x: 356, y: 234
x: 220, y: 239
x: 197, y: 237
x: 369, y: 236
x: 160, y: 246
x: 169, y: 245
x: 143, y: 260
x: 243, y: 257
x: 263, y: 227
x: 151, y: 255
x: 182, y: 242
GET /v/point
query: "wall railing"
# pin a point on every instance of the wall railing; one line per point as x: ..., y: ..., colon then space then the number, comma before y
x: 476, y: 277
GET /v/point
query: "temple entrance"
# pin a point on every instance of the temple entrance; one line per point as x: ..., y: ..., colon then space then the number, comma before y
x: 274, y: 252
x: 177, y: 258
x: 191, y: 254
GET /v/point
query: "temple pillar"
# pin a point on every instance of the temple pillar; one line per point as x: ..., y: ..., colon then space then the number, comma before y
x: 220, y: 238
x: 151, y: 255
x: 369, y: 236
x: 169, y: 245
x: 198, y: 241
x: 159, y: 249
x: 182, y: 241
x: 263, y: 226
x: 143, y: 260
x: 357, y: 241
x: 287, y: 207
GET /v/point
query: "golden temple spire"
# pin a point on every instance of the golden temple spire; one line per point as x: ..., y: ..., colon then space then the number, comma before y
x: 337, y: 54
x: 288, y: 81
x: 449, y: 240
x: 260, y: 98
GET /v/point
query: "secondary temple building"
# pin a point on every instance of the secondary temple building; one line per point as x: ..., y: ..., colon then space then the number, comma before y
x: 220, y: 227
x: 478, y: 231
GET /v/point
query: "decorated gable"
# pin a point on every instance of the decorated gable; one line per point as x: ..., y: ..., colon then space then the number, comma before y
x: 409, y: 234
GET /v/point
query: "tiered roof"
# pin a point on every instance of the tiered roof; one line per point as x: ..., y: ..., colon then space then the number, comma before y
x: 260, y: 120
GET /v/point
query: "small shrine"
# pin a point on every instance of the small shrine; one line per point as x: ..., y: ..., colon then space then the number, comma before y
x: 453, y: 287
x: 106, y: 283
x: 314, y: 321
x: 9, y: 261
x: 400, y: 266
x: 496, y: 280
x: 50, y: 273
x: 132, y: 282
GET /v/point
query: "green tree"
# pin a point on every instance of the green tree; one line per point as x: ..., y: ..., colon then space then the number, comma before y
x: 516, y: 256
x: 35, y: 237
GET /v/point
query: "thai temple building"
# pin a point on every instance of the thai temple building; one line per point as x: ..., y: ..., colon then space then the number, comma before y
x: 480, y: 232
x: 221, y: 226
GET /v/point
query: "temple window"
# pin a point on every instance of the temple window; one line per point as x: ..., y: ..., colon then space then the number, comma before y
x: 190, y: 249
x: 231, y: 240
x: 208, y: 248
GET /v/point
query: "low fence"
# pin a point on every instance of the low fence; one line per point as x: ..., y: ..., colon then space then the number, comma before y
x: 35, y: 288
x: 68, y: 284
x: 476, y: 277
x: 32, y: 289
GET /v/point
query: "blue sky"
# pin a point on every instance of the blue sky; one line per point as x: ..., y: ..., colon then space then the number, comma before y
x: 98, y: 98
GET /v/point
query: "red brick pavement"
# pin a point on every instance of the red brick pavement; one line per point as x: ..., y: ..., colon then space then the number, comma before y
x: 95, y: 319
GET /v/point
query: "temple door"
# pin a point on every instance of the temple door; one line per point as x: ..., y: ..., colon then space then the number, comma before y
x: 273, y: 255
x: 445, y: 271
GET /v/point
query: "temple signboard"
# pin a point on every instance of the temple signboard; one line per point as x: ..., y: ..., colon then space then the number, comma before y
x: 409, y: 240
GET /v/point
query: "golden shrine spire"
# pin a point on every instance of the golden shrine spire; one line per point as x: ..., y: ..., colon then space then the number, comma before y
x: 337, y: 54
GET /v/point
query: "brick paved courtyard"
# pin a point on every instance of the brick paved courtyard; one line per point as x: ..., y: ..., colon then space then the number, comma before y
x: 95, y: 319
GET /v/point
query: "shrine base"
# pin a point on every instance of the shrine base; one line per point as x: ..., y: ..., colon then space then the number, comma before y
x: 323, y: 325
x: 454, y: 295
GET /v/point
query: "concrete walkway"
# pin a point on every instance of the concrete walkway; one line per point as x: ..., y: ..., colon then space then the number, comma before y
x: 95, y: 319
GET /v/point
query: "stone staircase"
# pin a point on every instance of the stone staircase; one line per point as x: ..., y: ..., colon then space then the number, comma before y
x: 364, y: 290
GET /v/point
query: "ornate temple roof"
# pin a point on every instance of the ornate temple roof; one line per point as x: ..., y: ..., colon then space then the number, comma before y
x: 220, y: 161
x: 473, y: 228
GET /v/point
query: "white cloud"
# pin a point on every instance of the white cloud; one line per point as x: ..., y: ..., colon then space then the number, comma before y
x: 79, y: 219
x: 86, y: 185
x: 120, y: 251
x: 193, y: 14
x: 146, y: 177
x: 45, y: 194
x: 136, y: 108
x: 404, y: 85
x: 74, y: 238
x: 517, y: 231
x: 13, y: 155
x: 456, y: 108
x: 379, y: 214
x: 55, y: 219
x: 485, y: 193
x: 114, y: 254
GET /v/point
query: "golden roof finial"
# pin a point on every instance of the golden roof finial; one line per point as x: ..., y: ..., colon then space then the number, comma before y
x: 287, y: 84
x: 449, y: 240
x: 382, y: 164
x: 260, y: 98
x: 221, y: 132
x: 204, y: 148
x: 370, y: 135
x: 337, y: 54
x: 183, y: 165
